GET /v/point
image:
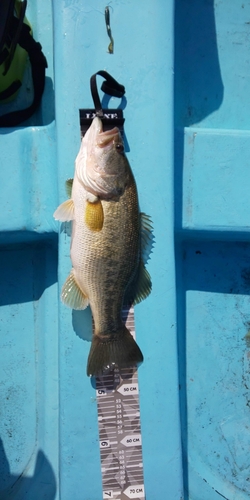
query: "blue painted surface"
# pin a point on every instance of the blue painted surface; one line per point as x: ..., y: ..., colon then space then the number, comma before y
x: 185, y: 66
x: 29, y: 293
x: 134, y: 64
x: 212, y: 245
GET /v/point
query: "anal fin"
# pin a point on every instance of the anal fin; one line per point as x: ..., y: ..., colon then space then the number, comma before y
x: 72, y: 296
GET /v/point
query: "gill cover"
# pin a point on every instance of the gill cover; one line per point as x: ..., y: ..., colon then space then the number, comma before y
x: 101, y: 165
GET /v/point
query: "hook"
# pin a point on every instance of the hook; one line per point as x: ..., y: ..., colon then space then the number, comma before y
x: 107, y: 21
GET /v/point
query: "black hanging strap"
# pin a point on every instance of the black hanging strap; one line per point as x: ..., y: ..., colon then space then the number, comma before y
x: 110, y: 86
x: 110, y: 117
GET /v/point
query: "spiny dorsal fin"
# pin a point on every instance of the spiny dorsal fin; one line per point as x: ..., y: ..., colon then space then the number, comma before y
x: 68, y: 186
x: 140, y: 288
x: 65, y: 211
x: 147, y: 238
x: 72, y: 295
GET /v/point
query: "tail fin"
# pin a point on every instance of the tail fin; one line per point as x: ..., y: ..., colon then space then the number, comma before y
x: 121, y: 350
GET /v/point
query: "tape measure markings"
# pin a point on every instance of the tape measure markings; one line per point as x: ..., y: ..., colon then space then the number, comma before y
x: 120, y: 431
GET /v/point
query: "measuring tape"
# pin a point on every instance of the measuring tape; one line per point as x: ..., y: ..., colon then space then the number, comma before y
x: 120, y: 430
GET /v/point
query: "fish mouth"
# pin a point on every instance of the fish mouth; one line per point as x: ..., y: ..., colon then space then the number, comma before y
x: 107, y: 137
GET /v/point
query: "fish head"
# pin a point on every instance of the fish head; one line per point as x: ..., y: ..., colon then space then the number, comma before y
x: 101, y: 165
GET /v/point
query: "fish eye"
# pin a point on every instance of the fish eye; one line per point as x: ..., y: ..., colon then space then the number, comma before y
x: 119, y: 147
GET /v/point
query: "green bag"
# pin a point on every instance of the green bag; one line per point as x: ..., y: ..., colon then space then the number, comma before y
x: 16, y: 45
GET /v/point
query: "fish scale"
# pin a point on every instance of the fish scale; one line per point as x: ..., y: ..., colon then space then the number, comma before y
x: 101, y: 259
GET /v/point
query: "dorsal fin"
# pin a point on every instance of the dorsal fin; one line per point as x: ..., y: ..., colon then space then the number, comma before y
x: 147, y: 238
x: 140, y: 287
x: 68, y: 186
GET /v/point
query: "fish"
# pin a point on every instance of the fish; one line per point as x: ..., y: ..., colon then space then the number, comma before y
x: 110, y: 244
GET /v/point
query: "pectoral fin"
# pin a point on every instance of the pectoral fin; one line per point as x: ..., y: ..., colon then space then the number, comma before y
x: 140, y: 287
x: 94, y: 216
x: 72, y: 295
x: 65, y: 211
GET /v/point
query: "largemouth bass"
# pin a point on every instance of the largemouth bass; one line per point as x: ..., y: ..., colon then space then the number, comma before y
x: 109, y: 240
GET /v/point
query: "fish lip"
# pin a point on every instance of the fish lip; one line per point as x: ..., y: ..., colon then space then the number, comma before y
x: 107, y: 137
